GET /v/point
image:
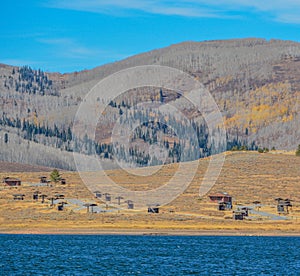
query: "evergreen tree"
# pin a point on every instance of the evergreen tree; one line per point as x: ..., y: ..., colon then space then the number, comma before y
x: 55, y: 176
x: 5, y: 138
x: 161, y: 96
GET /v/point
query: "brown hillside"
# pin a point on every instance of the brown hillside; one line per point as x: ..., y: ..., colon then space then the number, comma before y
x: 247, y: 176
x: 17, y: 167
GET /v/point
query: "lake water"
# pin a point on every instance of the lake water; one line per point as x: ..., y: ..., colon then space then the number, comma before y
x: 148, y: 255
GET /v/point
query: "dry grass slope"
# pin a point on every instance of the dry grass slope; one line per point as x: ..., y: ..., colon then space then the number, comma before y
x: 247, y: 176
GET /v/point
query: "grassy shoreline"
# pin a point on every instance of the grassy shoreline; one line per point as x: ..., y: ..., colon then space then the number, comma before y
x: 148, y: 232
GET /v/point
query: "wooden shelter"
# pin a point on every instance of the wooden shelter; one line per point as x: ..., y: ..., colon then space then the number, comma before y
x: 52, y: 200
x: 130, y: 204
x: 92, y: 207
x: 107, y: 197
x: 119, y: 199
x: 241, y: 213
x: 98, y: 194
x: 257, y: 204
x: 220, y: 197
x: 35, y: 195
x: 245, y: 211
x: 222, y: 206
x: 12, y: 182
x: 224, y: 201
x: 238, y: 215
x: 60, y: 206
x: 283, y: 205
x: 43, y: 196
x: 43, y: 179
x: 87, y: 205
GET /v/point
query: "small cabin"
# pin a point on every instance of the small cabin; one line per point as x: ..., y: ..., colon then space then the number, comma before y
x: 238, y: 215
x: 245, y: 211
x: 220, y: 197
x: 12, y: 182
x: 224, y: 201
x: 241, y: 213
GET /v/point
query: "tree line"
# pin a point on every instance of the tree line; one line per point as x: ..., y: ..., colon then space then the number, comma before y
x: 27, y: 80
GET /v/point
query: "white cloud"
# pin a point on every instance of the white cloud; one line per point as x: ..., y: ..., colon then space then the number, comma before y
x: 286, y: 11
x: 125, y: 7
x: 68, y: 47
x: 19, y: 62
x: 72, y: 49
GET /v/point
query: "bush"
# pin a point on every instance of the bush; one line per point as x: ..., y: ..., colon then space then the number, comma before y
x: 298, y: 151
x: 234, y: 148
x: 263, y: 150
x: 243, y: 148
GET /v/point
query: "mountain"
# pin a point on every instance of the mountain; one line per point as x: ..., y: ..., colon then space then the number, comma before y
x: 255, y: 83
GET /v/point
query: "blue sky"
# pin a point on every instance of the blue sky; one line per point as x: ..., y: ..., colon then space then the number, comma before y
x: 72, y: 35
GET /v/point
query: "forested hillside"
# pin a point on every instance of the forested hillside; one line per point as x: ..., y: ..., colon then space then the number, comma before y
x: 256, y: 84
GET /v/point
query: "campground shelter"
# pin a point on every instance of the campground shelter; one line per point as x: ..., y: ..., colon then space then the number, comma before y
x: 43, y: 179
x: 220, y: 197
x: 10, y: 181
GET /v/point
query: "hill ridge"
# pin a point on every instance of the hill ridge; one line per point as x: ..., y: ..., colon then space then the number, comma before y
x: 254, y: 81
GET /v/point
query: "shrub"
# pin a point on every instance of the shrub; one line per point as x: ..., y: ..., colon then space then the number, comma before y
x: 263, y: 150
x: 244, y: 148
x: 234, y: 148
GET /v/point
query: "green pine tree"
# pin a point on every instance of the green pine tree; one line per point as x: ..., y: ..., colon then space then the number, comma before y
x: 55, y: 176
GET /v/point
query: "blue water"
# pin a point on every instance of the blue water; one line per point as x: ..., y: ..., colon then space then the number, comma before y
x: 148, y: 255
